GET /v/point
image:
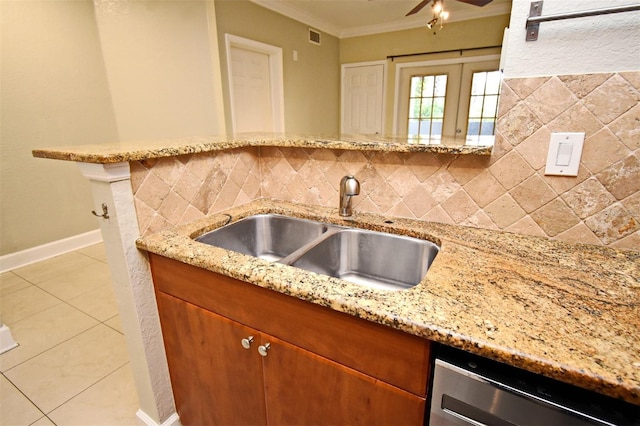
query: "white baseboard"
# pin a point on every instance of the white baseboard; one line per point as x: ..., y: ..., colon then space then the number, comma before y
x: 6, y: 339
x: 173, y: 420
x: 46, y: 251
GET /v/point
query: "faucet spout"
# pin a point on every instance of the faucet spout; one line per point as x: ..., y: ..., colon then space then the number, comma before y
x: 349, y: 186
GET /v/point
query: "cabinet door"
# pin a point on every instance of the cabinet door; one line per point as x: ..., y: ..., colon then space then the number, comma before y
x: 215, y: 379
x: 305, y: 389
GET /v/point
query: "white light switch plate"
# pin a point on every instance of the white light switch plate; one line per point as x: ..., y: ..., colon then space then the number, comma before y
x: 565, y: 151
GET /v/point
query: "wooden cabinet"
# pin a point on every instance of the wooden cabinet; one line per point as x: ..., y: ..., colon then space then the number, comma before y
x: 321, y: 366
x: 214, y: 378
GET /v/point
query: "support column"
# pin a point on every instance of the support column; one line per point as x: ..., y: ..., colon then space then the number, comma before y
x: 131, y: 277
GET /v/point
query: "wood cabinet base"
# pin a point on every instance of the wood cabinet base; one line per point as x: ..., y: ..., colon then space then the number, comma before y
x: 309, y: 373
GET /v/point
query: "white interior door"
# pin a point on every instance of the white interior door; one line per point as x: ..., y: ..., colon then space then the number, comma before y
x: 255, y: 86
x: 363, y: 99
x: 251, y: 99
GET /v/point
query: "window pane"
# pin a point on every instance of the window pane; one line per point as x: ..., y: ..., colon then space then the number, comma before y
x: 487, y: 128
x: 427, y: 87
x: 414, y: 107
x: 473, y: 128
x: 416, y: 87
x: 475, y: 107
x: 493, y: 82
x: 427, y: 108
x: 414, y: 126
x: 490, y: 106
x: 425, y: 128
x: 438, y: 108
x: 478, y: 83
x: 440, y: 85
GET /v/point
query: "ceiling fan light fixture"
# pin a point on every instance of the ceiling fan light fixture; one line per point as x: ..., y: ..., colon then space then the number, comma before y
x: 439, y: 14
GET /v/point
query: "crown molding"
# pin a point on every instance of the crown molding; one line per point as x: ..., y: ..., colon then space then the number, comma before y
x: 398, y: 25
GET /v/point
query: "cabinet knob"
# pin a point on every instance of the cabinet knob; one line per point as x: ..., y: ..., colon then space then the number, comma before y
x: 247, y: 341
x: 262, y: 349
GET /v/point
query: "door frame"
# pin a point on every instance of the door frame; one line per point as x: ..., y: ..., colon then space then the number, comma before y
x: 451, y: 61
x: 276, y: 76
x: 383, y: 110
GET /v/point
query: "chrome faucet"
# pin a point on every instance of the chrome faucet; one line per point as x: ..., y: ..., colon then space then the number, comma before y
x: 349, y: 186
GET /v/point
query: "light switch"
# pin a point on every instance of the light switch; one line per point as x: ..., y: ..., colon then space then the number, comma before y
x: 565, y: 151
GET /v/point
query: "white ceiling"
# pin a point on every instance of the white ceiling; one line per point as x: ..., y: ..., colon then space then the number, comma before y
x: 349, y: 18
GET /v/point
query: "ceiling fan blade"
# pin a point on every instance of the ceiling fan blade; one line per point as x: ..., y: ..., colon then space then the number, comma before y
x: 476, y: 2
x: 419, y: 7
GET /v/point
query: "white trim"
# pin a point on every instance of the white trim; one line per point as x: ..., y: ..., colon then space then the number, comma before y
x: 46, y: 251
x: 343, y: 68
x: 6, y: 339
x: 436, y: 62
x: 112, y: 172
x: 275, y: 71
x: 173, y: 419
x: 218, y: 97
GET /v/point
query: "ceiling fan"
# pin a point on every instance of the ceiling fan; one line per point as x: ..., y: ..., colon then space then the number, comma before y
x: 423, y: 3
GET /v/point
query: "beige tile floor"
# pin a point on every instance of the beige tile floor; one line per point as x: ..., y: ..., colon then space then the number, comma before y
x: 71, y: 366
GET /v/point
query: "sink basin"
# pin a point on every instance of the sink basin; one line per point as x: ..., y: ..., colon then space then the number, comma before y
x: 369, y: 258
x: 373, y: 259
x: 267, y: 236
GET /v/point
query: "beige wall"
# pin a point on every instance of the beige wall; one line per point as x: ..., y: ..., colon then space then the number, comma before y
x: 53, y: 92
x: 456, y: 35
x: 311, y: 84
x: 159, y: 64
x: 74, y: 73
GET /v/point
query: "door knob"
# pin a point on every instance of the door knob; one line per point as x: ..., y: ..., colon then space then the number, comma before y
x: 247, y: 341
x: 262, y: 349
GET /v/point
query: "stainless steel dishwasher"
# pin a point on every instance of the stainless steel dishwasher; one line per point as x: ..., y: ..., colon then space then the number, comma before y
x: 471, y: 390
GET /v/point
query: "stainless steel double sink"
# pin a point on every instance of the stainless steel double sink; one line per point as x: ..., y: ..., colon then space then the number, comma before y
x: 374, y: 259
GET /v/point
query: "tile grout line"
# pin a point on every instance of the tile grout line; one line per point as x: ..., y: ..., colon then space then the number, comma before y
x: 58, y: 344
x: 59, y: 304
x: 23, y: 394
x: 85, y: 389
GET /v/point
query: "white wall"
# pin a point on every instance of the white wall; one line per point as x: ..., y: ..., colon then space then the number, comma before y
x: 160, y: 66
x: 609, y: 43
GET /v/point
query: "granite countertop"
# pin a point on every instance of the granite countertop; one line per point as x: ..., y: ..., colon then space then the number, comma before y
x: 134, y: 151
x: 567, y: 311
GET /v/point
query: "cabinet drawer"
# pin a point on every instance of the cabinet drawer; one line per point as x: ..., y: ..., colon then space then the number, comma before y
x: 395, y: 357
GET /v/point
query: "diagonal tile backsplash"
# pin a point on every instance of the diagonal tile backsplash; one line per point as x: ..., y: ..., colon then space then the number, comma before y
x: 506, y: 191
